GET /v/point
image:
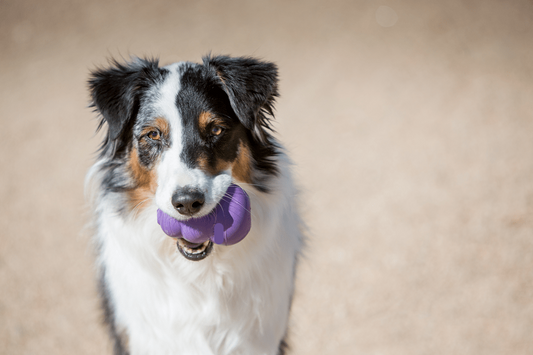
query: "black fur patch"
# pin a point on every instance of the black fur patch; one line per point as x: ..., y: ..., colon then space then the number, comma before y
x: 240, y: 91
x: 252, y: 88
x: 116, y: 94
x: 283, y: 347
x: 200, y: 92
x: 119, y: 348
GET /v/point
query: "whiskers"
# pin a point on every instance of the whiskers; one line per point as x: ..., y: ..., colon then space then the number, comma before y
x: 137, y: 208
x: 227, y: 198
x: 257, y: 186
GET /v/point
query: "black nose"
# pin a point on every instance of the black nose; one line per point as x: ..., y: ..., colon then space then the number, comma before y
x: 188, y: 201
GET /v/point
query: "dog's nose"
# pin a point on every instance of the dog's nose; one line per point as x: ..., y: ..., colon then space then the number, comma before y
x: 188, y: 201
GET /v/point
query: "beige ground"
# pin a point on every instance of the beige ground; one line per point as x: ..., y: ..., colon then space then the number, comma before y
x: 413, y: 143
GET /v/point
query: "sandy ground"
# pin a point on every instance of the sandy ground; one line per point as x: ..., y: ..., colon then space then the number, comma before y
x: 411, y: 126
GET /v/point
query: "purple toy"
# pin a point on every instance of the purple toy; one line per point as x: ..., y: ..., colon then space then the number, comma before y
x: 227, y: 224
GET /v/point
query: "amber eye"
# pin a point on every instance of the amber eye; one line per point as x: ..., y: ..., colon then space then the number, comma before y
x: 154, y: 135
x: 216, y: 130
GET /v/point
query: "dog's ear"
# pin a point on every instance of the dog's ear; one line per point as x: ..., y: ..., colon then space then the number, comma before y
x: 116, y: 91
x: 252, y: 87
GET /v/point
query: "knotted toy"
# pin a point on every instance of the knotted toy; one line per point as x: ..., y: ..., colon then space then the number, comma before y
x: 227, y: 224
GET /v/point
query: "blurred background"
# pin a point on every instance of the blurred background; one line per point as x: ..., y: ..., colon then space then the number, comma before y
x: 411, y: 126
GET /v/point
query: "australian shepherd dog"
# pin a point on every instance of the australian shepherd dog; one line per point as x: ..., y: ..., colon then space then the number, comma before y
x: 177, y: 137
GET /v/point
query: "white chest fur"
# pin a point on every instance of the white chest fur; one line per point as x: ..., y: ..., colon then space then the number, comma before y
x: 236, y: 301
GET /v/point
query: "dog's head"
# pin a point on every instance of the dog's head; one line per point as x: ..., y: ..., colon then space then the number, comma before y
x: 179, y: 135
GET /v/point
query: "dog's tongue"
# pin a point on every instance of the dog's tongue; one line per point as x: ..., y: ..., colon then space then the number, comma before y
x: 228, y: 224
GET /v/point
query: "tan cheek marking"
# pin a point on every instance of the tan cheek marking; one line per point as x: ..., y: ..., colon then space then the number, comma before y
x: 219, y: 166
x: 242, y: 170
x: 145, y: 182
x: 222, y: 165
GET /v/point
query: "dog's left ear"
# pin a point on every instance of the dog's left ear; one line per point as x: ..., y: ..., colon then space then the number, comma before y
x: 252, y: 87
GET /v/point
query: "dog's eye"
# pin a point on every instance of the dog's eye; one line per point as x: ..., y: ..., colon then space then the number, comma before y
x: 217, y: 130
x: 154, y: 135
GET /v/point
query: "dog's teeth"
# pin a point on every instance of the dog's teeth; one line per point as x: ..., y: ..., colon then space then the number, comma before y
x: 196, y: 251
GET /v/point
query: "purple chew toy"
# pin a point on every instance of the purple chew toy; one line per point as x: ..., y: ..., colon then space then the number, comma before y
x: 227, y: 224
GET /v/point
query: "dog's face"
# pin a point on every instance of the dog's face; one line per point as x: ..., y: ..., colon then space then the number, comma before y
x: 180, y: 135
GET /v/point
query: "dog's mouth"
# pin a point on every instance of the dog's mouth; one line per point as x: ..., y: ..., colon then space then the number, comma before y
x: 194, y: 251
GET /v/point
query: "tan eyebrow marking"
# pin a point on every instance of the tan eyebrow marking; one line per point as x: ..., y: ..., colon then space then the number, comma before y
x: 205, y: 118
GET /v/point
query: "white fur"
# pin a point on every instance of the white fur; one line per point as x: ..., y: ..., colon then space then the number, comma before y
x: 172, y: 173
x: 236, y: 301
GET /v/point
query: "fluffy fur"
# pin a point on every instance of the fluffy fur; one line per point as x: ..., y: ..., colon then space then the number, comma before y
x: 171, y: 130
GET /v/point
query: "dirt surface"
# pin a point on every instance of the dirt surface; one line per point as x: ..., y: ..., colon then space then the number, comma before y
x: 411, y: 126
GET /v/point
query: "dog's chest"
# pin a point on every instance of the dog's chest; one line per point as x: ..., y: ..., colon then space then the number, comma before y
x: 168, y: 314
x: 165, y: 304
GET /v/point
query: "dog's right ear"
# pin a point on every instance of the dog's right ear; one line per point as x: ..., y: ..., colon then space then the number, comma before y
x: 116, y: 91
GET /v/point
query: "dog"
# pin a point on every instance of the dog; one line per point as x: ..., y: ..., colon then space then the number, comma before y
x: 177, y: 136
